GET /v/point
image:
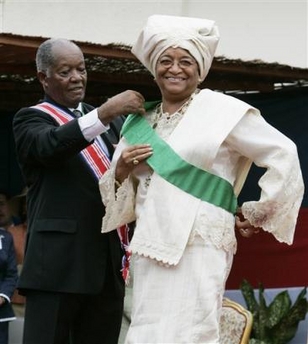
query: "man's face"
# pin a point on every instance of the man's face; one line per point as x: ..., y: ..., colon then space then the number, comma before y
x: 65, y: 81
x: 5, y: 212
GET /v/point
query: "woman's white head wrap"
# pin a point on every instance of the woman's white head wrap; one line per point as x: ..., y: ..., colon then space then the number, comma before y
x: 198, y: 36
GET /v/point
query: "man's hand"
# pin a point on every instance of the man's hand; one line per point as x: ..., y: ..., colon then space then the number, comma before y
x: 121, y: 104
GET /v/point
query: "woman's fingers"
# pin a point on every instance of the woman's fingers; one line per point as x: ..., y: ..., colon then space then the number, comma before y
x: 245, y: 228
x: 130, y: 158
x: 136, y: 154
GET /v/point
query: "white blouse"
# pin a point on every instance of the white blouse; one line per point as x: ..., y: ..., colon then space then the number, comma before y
x: 276, y: 211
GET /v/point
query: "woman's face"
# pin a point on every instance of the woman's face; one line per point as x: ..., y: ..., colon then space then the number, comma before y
x: 177, y: 73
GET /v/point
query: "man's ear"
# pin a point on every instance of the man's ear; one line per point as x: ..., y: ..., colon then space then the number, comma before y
x: 42, y: 78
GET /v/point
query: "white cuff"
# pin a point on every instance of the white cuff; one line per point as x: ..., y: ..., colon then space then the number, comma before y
x: 5, y: 297
x: 91, y: 126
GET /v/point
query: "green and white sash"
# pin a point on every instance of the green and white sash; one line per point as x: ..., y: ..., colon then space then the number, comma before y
x: 170, y: 166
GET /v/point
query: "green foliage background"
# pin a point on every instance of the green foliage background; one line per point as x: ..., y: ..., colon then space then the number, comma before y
x: 277, y: 322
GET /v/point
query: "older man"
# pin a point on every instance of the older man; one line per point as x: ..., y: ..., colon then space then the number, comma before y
x: 71, y: 273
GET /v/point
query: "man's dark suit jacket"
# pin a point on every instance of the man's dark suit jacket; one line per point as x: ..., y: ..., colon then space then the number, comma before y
x: 65, y: 249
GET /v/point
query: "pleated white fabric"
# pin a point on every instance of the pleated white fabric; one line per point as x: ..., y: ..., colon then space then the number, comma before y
x: 182, y: 306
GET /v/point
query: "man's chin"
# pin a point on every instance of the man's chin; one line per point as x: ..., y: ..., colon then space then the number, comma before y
x: 75, y: 102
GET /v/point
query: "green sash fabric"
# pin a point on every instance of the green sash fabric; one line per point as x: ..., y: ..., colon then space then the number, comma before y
x: 170, y: 166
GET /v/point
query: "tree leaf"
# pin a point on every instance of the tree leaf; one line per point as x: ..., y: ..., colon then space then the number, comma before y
x: 252, y: 306
x: 249, y: 296
x: 263, y: 315
x: 279, y: 308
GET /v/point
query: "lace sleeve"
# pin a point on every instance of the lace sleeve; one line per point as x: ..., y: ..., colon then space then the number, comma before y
x: 281, y: 196
x: 282, y: 186
x: 120, y: 203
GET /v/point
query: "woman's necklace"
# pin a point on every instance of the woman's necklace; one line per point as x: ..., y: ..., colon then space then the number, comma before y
x: 159, y: 113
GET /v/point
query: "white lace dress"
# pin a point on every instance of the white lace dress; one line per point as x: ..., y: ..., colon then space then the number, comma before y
x: 177, y: 294
x: 281, y: 185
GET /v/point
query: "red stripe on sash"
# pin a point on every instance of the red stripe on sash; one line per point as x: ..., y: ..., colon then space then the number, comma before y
x: 60, y: 117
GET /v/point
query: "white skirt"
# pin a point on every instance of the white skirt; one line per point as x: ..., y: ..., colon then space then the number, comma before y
x: 179, y: 304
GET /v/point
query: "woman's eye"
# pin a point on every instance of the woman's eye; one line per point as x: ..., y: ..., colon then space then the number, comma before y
x: 185, y: 63
x: 166, y: 62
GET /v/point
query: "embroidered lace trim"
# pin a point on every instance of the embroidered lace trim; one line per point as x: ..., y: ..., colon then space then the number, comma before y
x: 119, y: 204
x: 277, y: 215
x: 218, y: 228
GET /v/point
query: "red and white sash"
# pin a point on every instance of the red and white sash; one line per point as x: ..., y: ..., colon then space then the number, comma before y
x: 94, y: 154
x: 98, y: 161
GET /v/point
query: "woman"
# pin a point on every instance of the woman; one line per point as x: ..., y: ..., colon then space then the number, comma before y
x: 177, y: 171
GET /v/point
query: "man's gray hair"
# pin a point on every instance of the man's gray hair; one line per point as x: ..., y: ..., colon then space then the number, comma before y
x: 45, y: 57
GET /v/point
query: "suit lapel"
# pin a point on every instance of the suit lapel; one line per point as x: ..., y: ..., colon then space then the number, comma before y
x: 106, y: 138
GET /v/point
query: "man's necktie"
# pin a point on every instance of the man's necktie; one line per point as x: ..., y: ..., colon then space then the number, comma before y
x: 77, y: 113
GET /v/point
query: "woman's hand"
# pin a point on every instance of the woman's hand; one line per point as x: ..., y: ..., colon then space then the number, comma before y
x: 130, y: 158
x: 244, y: 226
